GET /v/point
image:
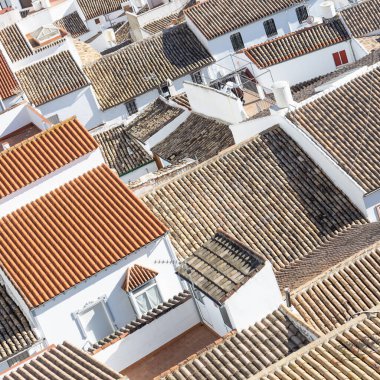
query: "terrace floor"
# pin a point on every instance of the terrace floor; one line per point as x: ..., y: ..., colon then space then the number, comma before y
x: 253, y: 104
x: 171, y: 353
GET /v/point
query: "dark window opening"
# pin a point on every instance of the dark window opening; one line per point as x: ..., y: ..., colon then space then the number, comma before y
x: 270, y: 28
x: 302, y: 14
x: 197, y: 77
x: 131, y: 107
x: 237, y: 41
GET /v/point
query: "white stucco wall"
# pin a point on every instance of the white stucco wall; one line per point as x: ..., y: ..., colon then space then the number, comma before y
x: 213, y: 103
x: 303, y: 68
x: 372, y: 201
x: 139, y: 172
x: 258, y: 297
x: 50, y: 182
x: 142, y: 342
x: 56, y: 317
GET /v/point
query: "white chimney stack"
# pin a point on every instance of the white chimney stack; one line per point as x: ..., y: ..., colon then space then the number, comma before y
x: 109, y: 36
x: 328, y: 9
x: 282, y: 94
x: 171, y: 88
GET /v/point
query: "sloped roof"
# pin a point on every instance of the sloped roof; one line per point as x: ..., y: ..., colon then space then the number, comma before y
x: 8, y: 83
x: 363, y: 18
x: 329, y: 254
x: 217, y: 17
x: 42, y: 154
x: 136, y: 276
x: 15, y: 43
x: 298, y: 43
x: 51, y: 78
x: 146, y: 65
x: 333, y: 298
x: 152, y: 119
x: 239, y: 355
x: 197, y: 137
x: 182, y: 100
x: 221, y: 266
x: 161, y: 24
x: 73, y: 232
x: 345, y: 123
x: 350, y: 352
x: 96, y: 8
x: 62, y: 362
x: 15, y: 332
x: 266, y: 192
x: 120, y: 151
x: 73, y: 24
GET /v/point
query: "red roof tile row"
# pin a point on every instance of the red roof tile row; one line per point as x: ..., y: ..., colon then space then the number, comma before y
x: 73, y: 232
x: 42, y: 154
x: 8, y: 83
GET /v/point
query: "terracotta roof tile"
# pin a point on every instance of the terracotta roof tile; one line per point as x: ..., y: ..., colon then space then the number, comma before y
x: 182, y: 100
x: 146, y: 65
x: 8, y: 83
x: 96, y: 8
x: 152, y: 119
x: 336, y: 296
x: 217, y: 17
x: 51, y: 78
x: 136, y: 276
x: 15, y: 43
x: 345, y: 123
x: 296, y: 44
x: 363, y: 18
x: 221, y: 266
x: 198, y: 137
x: 239, y: 355
x: 335, y: 250
x: 15, y: 332
x: 73, y: 24
x: 62, y: 362
x: 120, y: 151
x: 266, y: 192
x: 42, y: 154
x: 72, y: 233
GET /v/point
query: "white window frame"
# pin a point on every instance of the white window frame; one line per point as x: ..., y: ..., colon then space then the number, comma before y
x: 140, y: 290
x: 88, y: 306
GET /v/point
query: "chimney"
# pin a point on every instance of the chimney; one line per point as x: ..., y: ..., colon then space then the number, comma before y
x: 6, y: 145
x: 282, y: 94
x: 328, y: 9
x: 172, y: 90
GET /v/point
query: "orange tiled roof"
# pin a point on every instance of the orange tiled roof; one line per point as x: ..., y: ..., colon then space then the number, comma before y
x: 136, y: 276
x: 72, y: 233
x: 42, y: 154
x: 8, y: 84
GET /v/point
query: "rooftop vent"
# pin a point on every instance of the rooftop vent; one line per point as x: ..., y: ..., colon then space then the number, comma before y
x: 328, y: 9
x: 6, y: 145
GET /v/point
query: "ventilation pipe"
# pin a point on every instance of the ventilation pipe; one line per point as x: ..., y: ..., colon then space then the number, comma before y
x: 287, y: 298
x: 109, y: 36
x: 328, y: 9
x: 282, y: 94
x: 171, y: 88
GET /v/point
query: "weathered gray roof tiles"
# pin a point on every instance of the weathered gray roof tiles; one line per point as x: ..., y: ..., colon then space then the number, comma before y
x: 217, y: 17
x: 198, y: 137
x: 266, y: 192
x: 363, y: 18
x: 51, y: 78
x: 345, y: 123
x: 62, y: 362
x: 96, y: 8
x: 146, y: 65
x: 221, y: 266
x: 121, y: 151
x: 73, y: 24
x: 239, y: 355
x: 15, y: 43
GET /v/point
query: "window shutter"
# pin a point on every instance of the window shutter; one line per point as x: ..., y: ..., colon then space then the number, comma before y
x: 337, y: 60
x: 237, y: 41
x: 343, y: 57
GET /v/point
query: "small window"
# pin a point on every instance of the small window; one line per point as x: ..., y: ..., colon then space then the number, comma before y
x: 197, y: 77
x: 131, y: 107
x: 340, y: 58
x: 17, y: 358
x: 164, y: 91
x: 147, y: 297
x: 270, y: 28
x: 302, y: 14
x: 237, y: 41
x: 226, y: 318
x: 97, y: 21
x: 199, y: 296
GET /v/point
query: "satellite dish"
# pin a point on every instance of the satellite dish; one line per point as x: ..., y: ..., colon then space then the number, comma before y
x: 310, y: 20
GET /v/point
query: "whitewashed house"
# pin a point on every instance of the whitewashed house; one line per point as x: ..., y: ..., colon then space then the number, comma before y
x: 82, y: 239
